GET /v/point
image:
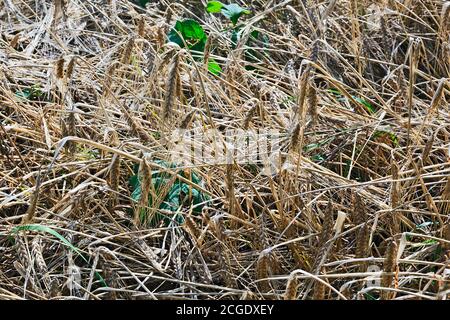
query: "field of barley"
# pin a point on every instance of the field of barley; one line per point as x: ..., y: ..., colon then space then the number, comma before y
x: 252, y: 149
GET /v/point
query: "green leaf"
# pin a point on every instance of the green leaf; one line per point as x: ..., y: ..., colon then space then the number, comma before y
x: 234, y: 11
x: 25, y: 94
x: 235, y: 35
x: 41, y: 228
x: 257, y: 35
x: 392, y: 136
x: 428, y: 242
x: 38, y: 227
x: 335, y: 91
x: 143, y: 2
x: 31, y: 93
x: 366, y: 104
x: 254, y: 34
x: 191, y: 29
x: 174, y: 198
x: 214, y: 6
x: 191, y: 32
x: 339, y: 96
x: 214, y: 67
x: 318, y: 158
x: 424, y: 225
x: 176, y: 34
x: 311, y: 147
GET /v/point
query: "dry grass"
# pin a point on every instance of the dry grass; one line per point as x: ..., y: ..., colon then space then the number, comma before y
x: 363, y: 215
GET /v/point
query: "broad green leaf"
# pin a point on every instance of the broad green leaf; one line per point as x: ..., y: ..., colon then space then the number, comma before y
x: 254, y: 34
x: 235, y: 35
x: 174, y: 198
x: 214, y: 6
x: 257, y: 35
x: 191, y: 29
x: 214, y: 67
x: 176, y: 35
x: 234, y: 11
x: 191, y: 32
x: 25, y: 94
x: 32, y: 93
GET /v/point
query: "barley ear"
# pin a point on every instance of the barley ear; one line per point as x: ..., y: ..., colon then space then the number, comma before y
x: 319, y: 290
x: 389, y: 266
x: 171, y: 87
x: 31, y: 211
x: 60, y: 68
x: 70, y: 68
x: 262, y: 272
x: 291, y: 288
